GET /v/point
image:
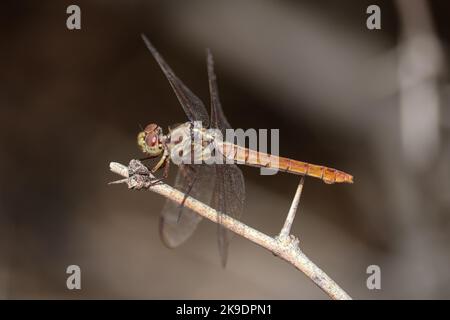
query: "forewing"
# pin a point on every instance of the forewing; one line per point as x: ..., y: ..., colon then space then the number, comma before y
x: 218, y: 119
x: 176, y: 228
x: 229, y: 191
x: 192, y: 105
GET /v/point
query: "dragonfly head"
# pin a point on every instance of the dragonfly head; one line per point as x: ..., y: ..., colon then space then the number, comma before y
x: 149, y: 140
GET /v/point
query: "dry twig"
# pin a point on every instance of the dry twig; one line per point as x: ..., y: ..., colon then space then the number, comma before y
x: 284, y: 246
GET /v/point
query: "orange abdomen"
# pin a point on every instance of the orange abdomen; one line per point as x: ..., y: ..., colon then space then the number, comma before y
x: 260, y: 159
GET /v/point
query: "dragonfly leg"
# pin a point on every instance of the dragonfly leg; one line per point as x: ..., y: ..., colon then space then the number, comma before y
x: 145, y: 159
x: 160, y: 163
x: 165, y: 173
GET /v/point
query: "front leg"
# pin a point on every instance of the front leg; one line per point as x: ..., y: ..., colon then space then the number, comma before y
x: 161, y: 161
x: 165, y: 162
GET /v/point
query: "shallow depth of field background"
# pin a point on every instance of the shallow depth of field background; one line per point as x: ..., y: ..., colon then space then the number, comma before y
x: 372, y: 103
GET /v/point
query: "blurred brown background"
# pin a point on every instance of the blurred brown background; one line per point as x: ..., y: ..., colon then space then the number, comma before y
x: 372, y: 103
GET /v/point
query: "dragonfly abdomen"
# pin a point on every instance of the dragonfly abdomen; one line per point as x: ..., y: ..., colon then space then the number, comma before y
x: 260, y: 159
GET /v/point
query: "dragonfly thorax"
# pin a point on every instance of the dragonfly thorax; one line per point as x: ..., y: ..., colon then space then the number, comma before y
x: 150, y: 140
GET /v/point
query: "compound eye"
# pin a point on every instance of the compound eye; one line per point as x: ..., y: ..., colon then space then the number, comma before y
x: 150, y: 128
x: 151, y: 140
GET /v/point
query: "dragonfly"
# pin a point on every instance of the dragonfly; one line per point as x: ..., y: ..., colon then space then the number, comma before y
x: 221, y: 185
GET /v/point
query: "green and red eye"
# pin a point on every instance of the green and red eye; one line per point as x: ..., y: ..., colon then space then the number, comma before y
x: 148, y: 140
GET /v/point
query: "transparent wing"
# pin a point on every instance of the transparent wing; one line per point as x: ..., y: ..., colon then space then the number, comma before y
x: 229, y: 192
x: 192, y: 105
x: 177, y: 226
x: 218, y: 119
x: 228, y: 198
